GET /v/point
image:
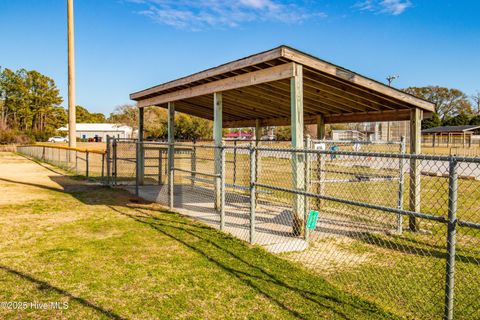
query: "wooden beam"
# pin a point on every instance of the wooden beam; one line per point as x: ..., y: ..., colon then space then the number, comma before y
x: 323, y: 66
x: 217, y: 137
x: 343, y: 88
x: 282, y: 71
x: 314, y: 95
x: 258, y: 131
x: 393, y: 115
x: 141, y: 152
x: 298, y: 161
x: 320, y: 127
x: 170, y: 164
x: 415, y: 175
x: 217, y: 118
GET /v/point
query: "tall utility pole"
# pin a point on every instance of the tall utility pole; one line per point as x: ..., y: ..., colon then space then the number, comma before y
x: 72, y: 130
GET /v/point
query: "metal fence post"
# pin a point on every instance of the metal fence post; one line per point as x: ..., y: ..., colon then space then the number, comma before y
x: 171, y: 174
x: 222, y: 186
x: 451, y: 238
x: 320, y: 178
x: 193, y: 161
x: 114, y: 169
x: 253, y: 201
x: 86, y: 163
x: 401, y: 185
x: 234, y: 162
x: 108, y: 160
x: 137, y: 167
x: 103, y: 167
x: 306, y: 177
x: 160, y: 165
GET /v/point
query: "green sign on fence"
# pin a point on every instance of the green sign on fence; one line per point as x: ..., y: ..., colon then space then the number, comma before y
x: 312, y: 219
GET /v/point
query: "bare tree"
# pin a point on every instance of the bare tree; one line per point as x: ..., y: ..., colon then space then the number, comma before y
x: 476, y: 101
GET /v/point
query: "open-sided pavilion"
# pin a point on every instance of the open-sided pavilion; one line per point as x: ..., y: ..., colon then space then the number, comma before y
x: 285, y: 86
x: 450, y: 135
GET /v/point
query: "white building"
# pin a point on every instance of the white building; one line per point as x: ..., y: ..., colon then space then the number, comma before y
x: 101, y: 130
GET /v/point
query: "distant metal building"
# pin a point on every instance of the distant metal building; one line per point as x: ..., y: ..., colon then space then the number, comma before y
x: 101, y: 130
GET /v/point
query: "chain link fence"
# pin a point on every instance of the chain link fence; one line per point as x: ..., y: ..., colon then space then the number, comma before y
x: 88, y: 163
x: 400, y: 230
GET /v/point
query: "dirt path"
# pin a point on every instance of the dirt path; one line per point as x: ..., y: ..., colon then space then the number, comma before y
x: 20, y: 178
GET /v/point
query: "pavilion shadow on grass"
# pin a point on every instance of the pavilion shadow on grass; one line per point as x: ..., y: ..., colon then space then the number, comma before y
x: 284, y: 86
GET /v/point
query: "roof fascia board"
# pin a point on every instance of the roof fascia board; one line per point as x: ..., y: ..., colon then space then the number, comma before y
x: 279, y: 72
x: 336, y: 71
x: 227, y: 67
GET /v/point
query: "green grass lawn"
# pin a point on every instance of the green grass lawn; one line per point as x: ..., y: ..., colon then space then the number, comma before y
x: 403, y: 274
x: 110, y: 256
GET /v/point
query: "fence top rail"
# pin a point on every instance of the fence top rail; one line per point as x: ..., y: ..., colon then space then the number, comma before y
x: 326, y: 152
x: 83, y: 150
x: 375, y: 154
x: 357, y: 142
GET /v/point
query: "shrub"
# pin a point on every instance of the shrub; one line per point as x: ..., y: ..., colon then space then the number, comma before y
x: 14, y: 137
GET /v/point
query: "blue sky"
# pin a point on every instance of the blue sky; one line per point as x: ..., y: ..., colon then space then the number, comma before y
x: 126, y: 45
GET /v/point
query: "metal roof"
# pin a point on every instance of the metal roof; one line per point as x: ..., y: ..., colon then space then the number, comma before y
x: 451, y: 129
x: 99, y: 127
x: 258, y: 87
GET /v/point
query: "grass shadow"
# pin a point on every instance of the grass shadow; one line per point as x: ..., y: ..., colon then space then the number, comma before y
x: 290, y: 287
x: 43, y: 285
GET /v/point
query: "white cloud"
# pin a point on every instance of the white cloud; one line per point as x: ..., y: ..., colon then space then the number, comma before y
x: 392, y: 7
x: 205, y: 14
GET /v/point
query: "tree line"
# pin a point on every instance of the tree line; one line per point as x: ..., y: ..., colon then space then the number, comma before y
x: 30, y: 108
x: 156, y: 123
x: 452, y: 106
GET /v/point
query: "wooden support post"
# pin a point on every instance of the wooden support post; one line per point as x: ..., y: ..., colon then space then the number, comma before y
x: 141, y: 150
x: 298, y: 158
x: 258, y: 131
x: 217, y: 136
x: 171, y: 150
x: 320, y: 127
x: 415, y: 148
